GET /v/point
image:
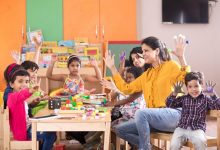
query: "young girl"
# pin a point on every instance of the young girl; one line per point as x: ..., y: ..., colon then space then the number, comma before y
x: 74, y: 82
x: 129, y: 104
x: 136, y: 58
x: 18, y: 102
x: 7, y: 73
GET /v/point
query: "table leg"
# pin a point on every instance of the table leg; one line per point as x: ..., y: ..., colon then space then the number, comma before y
x: 34, y: 136
x: 107, y: 136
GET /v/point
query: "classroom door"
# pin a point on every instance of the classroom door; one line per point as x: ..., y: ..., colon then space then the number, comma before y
x: 81, y: 19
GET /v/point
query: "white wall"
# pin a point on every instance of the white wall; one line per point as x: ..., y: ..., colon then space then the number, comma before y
x: 203, y: 52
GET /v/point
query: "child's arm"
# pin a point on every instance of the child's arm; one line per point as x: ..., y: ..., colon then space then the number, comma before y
x: 49, y: 73
x: 33, y: 101
x: 122, y: 58
x: 213, y: 102
x: 131, y: 98
x: 38, y: 47
x: 172, y: 101
x: 98, y: 73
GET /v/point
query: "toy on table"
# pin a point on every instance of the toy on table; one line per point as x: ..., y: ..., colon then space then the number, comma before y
x: 96, y: 99
x: 54, y: 103
x: 72, y: 105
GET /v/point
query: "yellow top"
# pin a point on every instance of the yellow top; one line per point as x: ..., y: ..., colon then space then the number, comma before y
x: 155, y: 83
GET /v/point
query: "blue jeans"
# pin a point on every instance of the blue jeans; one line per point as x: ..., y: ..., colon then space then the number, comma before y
x: 47, y: 138
x: 147, y: 120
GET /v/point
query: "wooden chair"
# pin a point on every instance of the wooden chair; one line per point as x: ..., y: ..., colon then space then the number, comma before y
x: 8, y: 143
x: 1, y: 127
x: 118, y: 144
x: 211, y: 141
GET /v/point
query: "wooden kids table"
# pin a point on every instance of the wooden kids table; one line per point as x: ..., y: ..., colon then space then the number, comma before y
x: 72, y: 124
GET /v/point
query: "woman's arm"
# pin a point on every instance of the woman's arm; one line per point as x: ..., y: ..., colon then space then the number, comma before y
x: 49, y: 73
x: 135, y: 86
x: 110, y: 62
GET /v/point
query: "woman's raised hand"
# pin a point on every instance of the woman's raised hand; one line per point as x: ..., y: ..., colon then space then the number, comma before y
x: 93, y: 62
x: 180, y: 42
x: 109, y: 59
x: 109, y: 84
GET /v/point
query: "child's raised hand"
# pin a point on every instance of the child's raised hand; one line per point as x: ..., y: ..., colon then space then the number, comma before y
x: 109, y: 59
x: 209, y: 88
x: 93, y: 62
x: 54, y: 58
x: 122, y: 56
x: 37, y: 43
x: 178, y: 88
x: 16, y: 55
x: 180, y: 42
x: 35, y: 87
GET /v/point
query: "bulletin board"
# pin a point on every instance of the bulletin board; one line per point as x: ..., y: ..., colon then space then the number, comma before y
x: 46, y: 15
x: 117, y: 47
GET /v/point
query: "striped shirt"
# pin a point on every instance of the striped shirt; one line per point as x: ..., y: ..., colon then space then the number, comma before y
x: 193, y: 109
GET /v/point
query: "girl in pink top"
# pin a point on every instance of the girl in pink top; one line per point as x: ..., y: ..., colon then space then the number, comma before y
x: 17, y: 103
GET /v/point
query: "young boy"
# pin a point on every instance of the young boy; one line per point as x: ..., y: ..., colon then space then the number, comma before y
x: 32, y: 69
x: 194, y: 105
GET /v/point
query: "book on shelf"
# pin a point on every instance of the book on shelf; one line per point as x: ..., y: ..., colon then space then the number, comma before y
x: 35, y: 34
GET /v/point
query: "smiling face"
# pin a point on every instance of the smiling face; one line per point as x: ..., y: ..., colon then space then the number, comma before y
x: 33, y: 75
x: 137, y: 60
x: 150, y: 55
x: 20, y: 83
x: 194, y: 88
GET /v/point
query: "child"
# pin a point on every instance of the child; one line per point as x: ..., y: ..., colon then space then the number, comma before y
x: 194, y: 105
x: 74, y: 83
x: 18, y: 109
x: 32, y: 69
x: 7, y: 73
x: 128, y: 104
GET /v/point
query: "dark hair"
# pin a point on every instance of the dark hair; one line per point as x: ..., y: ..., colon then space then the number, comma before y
x: 194, y: 76
x: 73, y: 58
x: 29, y: 65
x: 136, y: 71
x: 127, y: 63
x: 10, y: 70
x: 135, y: 50
x: 155, y: 43
x: 19, y: 72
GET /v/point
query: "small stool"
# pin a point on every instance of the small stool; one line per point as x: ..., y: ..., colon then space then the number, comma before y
x: 59, y: 147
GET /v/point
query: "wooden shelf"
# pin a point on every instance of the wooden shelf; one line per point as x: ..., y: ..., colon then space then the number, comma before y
x: 83, y: 70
